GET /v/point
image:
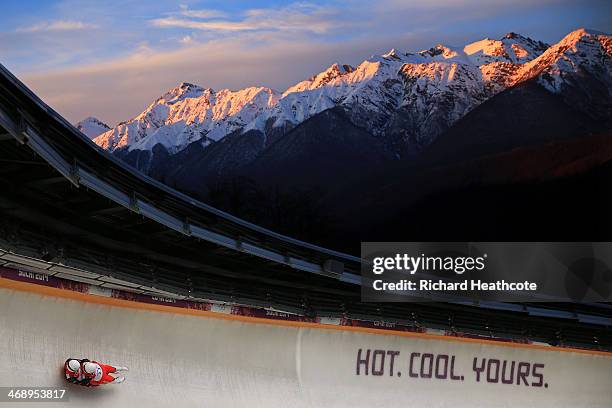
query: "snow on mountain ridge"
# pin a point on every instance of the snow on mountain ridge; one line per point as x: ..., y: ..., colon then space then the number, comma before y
x: 513, y: 48
x: 580, y: 50
x: 320, y: 79
x: 442, y: 82
x: 92, y: 127
x: 339, y: 87
x: 429, y: 87
x: 183, y: 91
x: 188, y: 113
x: 374, y: 89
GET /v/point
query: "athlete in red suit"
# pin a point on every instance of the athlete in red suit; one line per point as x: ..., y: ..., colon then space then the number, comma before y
x: 91, y: 373
x: 97, y: 373
x: 73, y: 371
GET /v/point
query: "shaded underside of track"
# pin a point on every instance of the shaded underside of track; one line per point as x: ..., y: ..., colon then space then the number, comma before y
x: 64, y: 200
x: 197, y: 360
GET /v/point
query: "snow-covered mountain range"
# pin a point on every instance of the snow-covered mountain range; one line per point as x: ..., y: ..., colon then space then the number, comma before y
x: 405, y: 99
x: 509, y: 132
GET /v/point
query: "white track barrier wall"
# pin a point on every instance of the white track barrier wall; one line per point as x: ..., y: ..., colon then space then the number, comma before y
x: 192, y: 361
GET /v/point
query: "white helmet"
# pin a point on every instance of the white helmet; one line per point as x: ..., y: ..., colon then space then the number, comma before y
x: 89, y: 367
x: 74, y: 365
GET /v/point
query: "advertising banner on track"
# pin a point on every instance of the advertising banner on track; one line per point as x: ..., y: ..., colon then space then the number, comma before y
x: 411, y: 371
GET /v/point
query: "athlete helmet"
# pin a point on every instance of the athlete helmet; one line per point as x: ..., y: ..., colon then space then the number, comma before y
x: 73, y: 365
x: 89, y: 368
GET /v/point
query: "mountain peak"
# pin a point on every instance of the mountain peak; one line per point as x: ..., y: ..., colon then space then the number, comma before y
x: 440, y: 51
x: 91, y: 127
x: 322, y: 78
x: 580, y: 33
x: 182, y: 91
x: 336, y: 69
x: 392, y: 54
x: 590, y: 31
x: 511, y: 48
x: 581, y: 50
x: 92, y: 119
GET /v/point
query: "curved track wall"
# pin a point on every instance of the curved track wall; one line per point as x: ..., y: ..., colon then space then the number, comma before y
x: 195, y: 360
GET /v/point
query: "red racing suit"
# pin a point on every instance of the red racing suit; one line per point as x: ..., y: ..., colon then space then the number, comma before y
x: 101, y: 376
x: 71, y: 376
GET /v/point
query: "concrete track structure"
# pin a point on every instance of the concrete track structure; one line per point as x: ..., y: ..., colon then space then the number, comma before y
x: 188, y: 358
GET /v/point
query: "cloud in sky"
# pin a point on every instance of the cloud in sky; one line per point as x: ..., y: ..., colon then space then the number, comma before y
x: 203, y: 25
x: 236, y: 44
x: 58, y: 25
x: 294, y: 17
x: 207, y: 13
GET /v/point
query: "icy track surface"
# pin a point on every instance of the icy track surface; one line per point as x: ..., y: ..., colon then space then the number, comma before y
x: 178, y: 360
